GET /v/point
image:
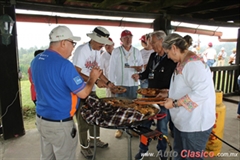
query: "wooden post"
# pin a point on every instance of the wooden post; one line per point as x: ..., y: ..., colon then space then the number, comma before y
x: 10, y: 94
x: 161, y: 23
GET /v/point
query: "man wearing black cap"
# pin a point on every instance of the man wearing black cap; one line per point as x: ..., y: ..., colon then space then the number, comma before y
x: 86, y: 57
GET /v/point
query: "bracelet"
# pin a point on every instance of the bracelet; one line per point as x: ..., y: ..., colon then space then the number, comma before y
x: 108, y: 82
x: 96, y: 81
x: 175, y: 105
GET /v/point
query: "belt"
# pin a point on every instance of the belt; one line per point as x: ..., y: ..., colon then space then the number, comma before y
x: 51, y: 120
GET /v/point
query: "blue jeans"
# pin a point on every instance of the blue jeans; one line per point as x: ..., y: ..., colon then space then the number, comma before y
x: 210, y: 62
x: 190, y: 141
x: 162, y: 127
x: 130, y: 93
x: 144, y: 83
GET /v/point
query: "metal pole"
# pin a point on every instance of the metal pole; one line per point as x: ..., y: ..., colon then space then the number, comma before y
x: 129, y: 145
x: 95, y: 142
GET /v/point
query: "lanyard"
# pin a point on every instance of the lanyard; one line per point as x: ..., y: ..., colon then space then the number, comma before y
x: 154, y: 66
x: 125, y: 55
x: 122, y: 52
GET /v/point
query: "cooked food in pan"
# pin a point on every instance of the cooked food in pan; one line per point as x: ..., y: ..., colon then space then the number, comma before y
x: 118, y: 89
x: 151, y: 92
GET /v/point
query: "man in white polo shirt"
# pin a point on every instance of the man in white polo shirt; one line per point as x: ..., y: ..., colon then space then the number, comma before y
x: 86, y: 57
x: 124, y: 62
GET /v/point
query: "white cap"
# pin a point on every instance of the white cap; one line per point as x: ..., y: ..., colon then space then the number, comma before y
x: 222, y: 48
x: 61, y: 33
x: 100, y: 35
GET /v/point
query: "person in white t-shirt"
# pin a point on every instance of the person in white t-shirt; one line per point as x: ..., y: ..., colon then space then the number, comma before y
x: 232, y: 58
x: 124, y: 62
x: 145, y: 52
x: 221, y: 57
x: 210, y: 54
x: 104, y: 63
x: 86, y: 57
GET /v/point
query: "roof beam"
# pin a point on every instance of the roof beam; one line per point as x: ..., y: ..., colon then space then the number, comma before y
x: 161, y: 4
x: 200, y: 21
x: 235, y: 18
x: 81, y: 21
x: 82, y: 10
x: 110, y: 3
x: 206, y: 7
x: 219, y: 14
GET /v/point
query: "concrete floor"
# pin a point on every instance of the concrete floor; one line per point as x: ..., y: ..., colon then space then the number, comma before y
x: 27, y: 147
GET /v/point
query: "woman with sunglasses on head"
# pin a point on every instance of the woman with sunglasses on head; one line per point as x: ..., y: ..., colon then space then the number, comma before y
x: 191, y: 99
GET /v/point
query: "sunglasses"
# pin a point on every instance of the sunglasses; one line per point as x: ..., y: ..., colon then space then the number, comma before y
x: 73, y: 43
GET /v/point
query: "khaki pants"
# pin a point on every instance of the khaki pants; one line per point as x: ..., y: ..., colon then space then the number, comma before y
x: 56, y: 140
x: 221, y: 62
x: 83, y: 126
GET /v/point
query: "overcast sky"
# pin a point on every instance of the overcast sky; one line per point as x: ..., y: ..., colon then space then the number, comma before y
x: 36, y: 34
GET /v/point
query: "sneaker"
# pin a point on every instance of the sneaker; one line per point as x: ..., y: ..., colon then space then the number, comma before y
x: 118, y: 134
x: 87, y: 152
x: 99, y: 143
x: 140, y: 155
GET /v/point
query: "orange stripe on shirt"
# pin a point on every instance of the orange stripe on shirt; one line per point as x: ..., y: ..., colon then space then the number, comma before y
x: 74, y: 104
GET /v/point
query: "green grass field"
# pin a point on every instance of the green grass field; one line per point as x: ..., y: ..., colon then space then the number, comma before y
x: 26, y: 95
x: 29, y: 107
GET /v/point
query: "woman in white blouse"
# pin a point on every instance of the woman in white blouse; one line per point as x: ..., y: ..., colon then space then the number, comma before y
x: 191, y: 99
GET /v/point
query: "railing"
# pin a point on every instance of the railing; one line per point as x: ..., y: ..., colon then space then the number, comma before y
x: 225, y: 79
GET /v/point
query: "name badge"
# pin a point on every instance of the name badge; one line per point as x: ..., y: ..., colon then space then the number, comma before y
x: 150, y: 75
x: 127, y: 65
x: 162, y: 69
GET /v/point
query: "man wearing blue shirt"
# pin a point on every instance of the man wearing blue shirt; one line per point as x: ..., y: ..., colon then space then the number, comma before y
x: 59, y: 87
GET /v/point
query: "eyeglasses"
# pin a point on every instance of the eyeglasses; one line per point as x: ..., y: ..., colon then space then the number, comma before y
x: 73, y: 43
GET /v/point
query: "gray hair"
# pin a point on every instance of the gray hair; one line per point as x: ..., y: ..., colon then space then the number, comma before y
x: 159, y: 34
x: 175, y: 39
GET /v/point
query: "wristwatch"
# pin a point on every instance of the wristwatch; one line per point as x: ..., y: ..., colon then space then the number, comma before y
x: 175, y: 105
x: 108, y: 82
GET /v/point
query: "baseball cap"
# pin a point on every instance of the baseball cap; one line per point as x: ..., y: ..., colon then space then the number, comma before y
x: 61, y: 33
x: 210, y: 44
x: 100, y: 35
x: 222, y: 48
x: 126, y: 33
x: 143, y: 38
x: 110, y: 39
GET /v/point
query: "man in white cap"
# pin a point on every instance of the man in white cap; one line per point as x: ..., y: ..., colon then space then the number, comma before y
x: 86, y: 57
x: 124, y: 62
x: 104, y: 63
x: 221, y: 57
x: 59, y: 87
x: 232, y: 57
